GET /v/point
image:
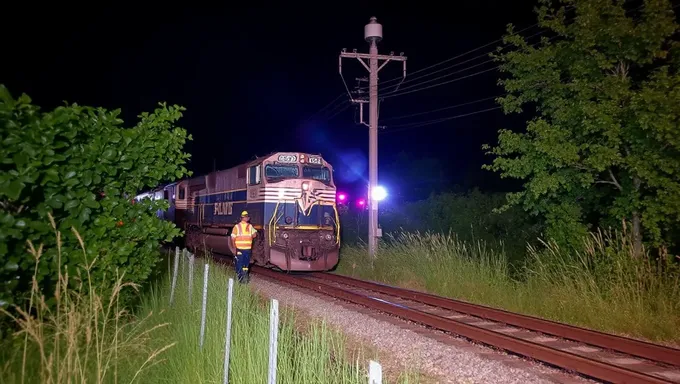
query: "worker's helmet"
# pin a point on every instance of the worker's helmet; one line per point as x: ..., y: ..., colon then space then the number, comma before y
x: 244, y: 214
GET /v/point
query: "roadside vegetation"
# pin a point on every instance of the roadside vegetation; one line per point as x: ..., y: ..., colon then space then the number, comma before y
x: 85, y: 337
x: 599, y: 152
x: 84, y: 296
x: 603, y: 286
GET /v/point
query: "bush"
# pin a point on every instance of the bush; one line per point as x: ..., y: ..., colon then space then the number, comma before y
x: 83, y: 338
x: 80, y: 165
x: 469, y: 215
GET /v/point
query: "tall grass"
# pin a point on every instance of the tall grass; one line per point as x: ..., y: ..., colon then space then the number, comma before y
x: 603, y: 286
x: 85, y: 337
x: 308, y: 351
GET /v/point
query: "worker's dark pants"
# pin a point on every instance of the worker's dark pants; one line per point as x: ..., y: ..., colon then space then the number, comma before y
x: 242, y: 264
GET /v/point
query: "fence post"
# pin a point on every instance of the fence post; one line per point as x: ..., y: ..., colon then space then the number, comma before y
x: 374, y: 372
x: 184, y: 260
x: 174, y: 276
x: 205, y: 301
x: 227, y: 342
x: 191, y: 276
x: 273, y: 339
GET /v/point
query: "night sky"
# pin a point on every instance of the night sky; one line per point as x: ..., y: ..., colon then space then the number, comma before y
x: 252, y: 78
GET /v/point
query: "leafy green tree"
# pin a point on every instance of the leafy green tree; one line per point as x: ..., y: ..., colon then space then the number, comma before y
x: 604, y: 145
x: 80, y: 165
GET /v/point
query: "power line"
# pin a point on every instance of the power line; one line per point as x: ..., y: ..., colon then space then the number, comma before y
x: 436, y: 121
x: 464, y: 53
x: 326, y: 106
x: 486, y: 54
x: 442, y: 109
x: 406, y: 90
x: 439, y: 77
x: 406, y: 127
x: 347, y: 105
x: 401, y: 93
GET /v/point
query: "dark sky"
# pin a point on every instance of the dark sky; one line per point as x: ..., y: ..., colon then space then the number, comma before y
x: 250, y: 78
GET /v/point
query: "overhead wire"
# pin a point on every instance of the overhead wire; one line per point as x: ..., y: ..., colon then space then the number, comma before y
x: 486, y: 54
x: 409, y: 89
x: 462, y: 54
x: 408, y: 126
x: 347, y: 105
x: 325, y: 107
x: 404, y: 91
x: 441, y: 109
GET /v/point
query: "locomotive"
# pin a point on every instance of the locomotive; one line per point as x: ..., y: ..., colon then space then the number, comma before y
x: 291, y: 201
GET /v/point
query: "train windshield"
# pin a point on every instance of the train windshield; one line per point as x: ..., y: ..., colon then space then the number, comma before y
x: 317, y: 173
x: 278, y: 172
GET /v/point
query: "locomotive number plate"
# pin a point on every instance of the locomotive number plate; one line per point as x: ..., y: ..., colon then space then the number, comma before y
x: 288, y: 158
x: 315, y: 160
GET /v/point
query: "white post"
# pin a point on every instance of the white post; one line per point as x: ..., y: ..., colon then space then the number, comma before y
x: 227, y: 342
x: 205, y: 301
x: 174, y: 276
x: 374, y: 373
x: 184, y: 260
x: 273, y: 340
x: 191, y: 276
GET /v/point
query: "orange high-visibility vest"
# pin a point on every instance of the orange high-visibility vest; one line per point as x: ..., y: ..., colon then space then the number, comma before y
x: 243, y: 235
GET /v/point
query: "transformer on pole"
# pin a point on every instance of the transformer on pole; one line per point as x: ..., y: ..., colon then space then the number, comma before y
x: 373, y: 35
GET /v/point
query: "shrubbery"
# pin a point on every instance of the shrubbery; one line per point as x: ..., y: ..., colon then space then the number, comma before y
x: 82, y: 166
x: 469, y: 215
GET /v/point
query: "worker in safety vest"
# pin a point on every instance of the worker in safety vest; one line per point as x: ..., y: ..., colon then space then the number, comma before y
x: 242, y: 240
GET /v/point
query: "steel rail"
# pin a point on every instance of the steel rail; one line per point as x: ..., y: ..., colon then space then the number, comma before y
x: 654, y: 352
x: 559, y: 358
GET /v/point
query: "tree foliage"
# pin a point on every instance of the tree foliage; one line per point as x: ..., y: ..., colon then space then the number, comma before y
x: 80, y: 165
x: 604, y: 145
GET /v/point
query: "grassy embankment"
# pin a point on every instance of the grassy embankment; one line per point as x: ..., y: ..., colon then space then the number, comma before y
x: 87, y: 339
x: 603, y: 286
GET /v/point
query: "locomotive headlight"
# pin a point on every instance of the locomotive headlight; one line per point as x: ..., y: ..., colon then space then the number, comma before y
x: 305, y: 186
x: 329, y: 237
x: 284, y: 235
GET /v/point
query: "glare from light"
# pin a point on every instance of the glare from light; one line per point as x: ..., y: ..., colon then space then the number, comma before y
x: 342, y: 197
x: 379, y: 193
x: 361, y: 202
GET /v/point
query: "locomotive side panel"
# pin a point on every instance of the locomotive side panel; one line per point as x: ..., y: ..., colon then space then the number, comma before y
x: 290, y: 198
x: 220, y: 209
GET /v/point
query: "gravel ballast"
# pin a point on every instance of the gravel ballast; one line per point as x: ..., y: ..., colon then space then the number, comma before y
x: 443, y: 357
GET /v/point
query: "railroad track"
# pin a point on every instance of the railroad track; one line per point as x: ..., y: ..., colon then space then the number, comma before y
x: 590, y: 353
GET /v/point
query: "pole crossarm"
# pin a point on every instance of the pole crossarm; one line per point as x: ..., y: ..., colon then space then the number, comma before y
x: 357, y: 55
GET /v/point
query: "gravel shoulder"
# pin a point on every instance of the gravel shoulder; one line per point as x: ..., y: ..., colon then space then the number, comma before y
x: 404, y: 345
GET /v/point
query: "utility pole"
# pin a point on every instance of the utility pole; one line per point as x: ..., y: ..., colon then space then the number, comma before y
x: 373, y: 35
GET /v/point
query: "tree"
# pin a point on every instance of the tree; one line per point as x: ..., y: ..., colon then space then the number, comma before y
x: 604, y: 145
x: 80, y: 165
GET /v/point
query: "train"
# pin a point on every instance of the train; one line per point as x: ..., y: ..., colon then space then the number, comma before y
x: 289, y: 196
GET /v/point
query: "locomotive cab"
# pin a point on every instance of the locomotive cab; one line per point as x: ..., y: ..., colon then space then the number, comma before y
x: 301, y: 228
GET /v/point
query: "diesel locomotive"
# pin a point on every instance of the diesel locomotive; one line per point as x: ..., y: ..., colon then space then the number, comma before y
x: 291, y: 200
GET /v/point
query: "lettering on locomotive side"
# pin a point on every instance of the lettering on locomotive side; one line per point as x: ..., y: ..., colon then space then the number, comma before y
x: 223, y: 208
